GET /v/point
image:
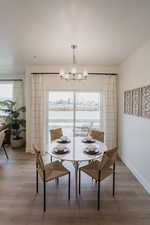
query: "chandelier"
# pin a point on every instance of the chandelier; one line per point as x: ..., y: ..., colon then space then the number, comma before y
x: 75, y: 72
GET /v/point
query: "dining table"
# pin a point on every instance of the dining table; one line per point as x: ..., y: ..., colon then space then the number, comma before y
x: 77, y: 153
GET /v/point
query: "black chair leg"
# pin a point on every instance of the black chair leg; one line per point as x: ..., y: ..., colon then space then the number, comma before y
x: 57, y: 181
x: 114, y: 179
x: 98, y: 195
x: 79, y: 181
x: 69, y: 186
x: 44, y: 186
x: 37, y: 185
x: 5, y: 152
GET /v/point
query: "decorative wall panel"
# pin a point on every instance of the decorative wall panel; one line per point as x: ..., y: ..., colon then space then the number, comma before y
x: 136, y: 102
x: 128, y: 102
x: 145, y: 109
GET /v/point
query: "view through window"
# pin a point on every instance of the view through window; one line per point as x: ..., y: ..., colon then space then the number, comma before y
x: 75, y: 112
x: 6, y: 93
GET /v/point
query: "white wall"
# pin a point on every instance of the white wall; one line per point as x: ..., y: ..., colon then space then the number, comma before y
x: 134, y: 132
x: 90, y: 68
x: 11, y: 76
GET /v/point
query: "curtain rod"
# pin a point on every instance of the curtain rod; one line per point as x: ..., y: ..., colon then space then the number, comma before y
x: 44, y: 73
x: 11, y: 80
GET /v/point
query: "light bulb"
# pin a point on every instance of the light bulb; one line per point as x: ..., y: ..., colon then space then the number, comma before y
x: 74, y: 70
x: 61, y: 73
x: 79, y: 76
x: 85, y: 74
x: 66, y: 76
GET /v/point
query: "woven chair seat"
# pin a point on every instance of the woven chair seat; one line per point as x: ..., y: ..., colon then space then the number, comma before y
x: 53, y: 170
x: 92, y: 172
x: 49, y: 172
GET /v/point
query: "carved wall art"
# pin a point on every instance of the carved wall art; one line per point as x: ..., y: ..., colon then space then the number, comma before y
x: 145, y: 110
x: 137, y: 102
x: 128, y: 102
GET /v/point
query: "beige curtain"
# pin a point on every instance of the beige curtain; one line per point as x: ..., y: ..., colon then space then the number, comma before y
x: 18, y: 93
x: 109, y: 113
x: 18, y: 97
x: 37, y: 121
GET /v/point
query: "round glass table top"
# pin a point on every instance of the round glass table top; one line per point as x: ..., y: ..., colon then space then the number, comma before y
x: 77, y: 150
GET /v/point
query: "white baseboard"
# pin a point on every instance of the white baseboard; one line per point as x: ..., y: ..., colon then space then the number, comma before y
x: 139, y: 177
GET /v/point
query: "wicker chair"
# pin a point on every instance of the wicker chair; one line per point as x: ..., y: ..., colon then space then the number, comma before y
x: 49, y: 172
x: 99, y: 170
x: 2, y: 146
x: 97, y: 135
x: 56, y: 134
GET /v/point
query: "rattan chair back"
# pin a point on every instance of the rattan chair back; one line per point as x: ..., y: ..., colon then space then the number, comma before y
x: 56, y: 134
x: 111, y: 157
x: 39, y: 158
x: 97, y: 135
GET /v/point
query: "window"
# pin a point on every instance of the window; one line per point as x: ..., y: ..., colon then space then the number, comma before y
x: 87, y: 112
x: 6, y: 93
x: 75, y: 112
x: 60, y: 106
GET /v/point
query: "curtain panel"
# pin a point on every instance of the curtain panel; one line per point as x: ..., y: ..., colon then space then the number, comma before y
x: 37, y: 121
x: 18, y: 93
x: 18, y: 97
x: 109, y: 113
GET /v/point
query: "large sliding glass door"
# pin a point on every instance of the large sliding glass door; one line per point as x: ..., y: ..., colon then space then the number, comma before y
x: 61, y: 111
x: 87, y: 108
x: 75, y: 112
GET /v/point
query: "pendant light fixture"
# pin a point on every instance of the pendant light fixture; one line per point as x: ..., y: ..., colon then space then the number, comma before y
x: 75, y: 72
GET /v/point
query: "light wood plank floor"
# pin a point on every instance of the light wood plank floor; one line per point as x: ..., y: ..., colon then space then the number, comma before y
x: 19, y: 205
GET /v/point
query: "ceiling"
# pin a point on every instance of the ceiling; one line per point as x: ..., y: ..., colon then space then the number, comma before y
x: 106, y: 31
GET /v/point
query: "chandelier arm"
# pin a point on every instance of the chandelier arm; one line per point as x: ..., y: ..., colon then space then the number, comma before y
x: 74, y: 56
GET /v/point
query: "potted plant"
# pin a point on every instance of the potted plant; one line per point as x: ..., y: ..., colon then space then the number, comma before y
x: 14, y: 119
